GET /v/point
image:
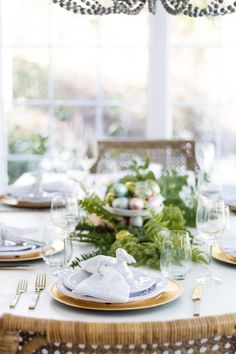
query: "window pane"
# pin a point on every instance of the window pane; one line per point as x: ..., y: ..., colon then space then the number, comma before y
x: 228, y: 129
x: 124, y: 73
x: 194, y: 31
x: 69, y: 29
x: 72, y: 128
x: 195, y: 74
x: 74, y: 73
x: 25, y: 22
x: 27, y: 130
x: 125, y: 121
x: 228, y: 75
x: 134, y: 31
x: 196, y: 122
x: 30, y: 73
x: 17, y: 168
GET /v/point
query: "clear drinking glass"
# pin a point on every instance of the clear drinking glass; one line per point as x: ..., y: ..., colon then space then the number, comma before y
x: 211, y: 220
x: 57, y: 250
x: 65, y: 214
x: 176, y: 255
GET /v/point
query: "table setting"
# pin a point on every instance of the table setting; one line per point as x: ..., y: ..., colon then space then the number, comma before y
x: 131, y: 250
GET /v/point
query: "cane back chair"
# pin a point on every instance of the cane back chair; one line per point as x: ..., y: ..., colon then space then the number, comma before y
x: 117, y: 155
x: 213, y: 334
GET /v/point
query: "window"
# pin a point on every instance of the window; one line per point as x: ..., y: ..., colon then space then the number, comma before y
x: 203, y: 53
x: 67, y: 79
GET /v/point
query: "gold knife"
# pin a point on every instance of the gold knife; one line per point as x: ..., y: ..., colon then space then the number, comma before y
x: 196, y: 297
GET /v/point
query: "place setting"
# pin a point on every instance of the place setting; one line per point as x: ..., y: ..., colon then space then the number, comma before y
x: 111, y: 284
x: 26, y: 244
x: 35, y: 190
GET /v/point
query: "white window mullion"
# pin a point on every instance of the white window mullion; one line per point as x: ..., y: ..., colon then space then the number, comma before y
x: 159, y: 122
x: 3, y: 129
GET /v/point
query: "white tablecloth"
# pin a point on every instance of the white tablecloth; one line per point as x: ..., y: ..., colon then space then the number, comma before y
x: 216, y: 300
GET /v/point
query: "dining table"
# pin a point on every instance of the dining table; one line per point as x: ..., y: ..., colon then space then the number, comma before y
x: 216, y: 300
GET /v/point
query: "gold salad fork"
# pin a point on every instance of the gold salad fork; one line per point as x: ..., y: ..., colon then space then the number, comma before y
x: 40, y: 284
x: 20, y: 289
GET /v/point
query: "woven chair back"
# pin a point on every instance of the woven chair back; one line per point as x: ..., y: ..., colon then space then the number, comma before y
x: 114, y: 156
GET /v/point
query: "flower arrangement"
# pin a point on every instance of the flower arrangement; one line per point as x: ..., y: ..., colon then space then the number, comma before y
x: 107, y: 231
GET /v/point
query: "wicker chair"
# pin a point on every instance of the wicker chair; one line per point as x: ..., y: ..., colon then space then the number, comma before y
x: 118, y: 155
x: 214, y: 334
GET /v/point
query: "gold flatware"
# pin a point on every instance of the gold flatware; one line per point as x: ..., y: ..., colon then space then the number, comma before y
x: 40, y: 284
x: 21, y: 288
x: 196, y: 297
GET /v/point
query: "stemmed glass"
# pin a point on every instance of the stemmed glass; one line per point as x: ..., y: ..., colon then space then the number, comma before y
x: 205, y: 153
x: 65, y: 214
x: 89, y: 157
x: 211, y: 221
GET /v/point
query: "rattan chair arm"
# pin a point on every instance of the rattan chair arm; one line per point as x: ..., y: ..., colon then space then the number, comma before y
x: 8, y: 340
x: 124, y: 333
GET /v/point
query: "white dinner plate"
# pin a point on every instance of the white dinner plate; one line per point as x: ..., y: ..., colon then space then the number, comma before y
x: 143, y: 279
x: 44, y: 198
x: 158, y: 287
x: 11, y: 251
x: 228, y: 244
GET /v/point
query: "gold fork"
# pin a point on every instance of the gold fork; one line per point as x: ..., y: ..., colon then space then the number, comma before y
x: 40, y: 284
x: 21, y: 288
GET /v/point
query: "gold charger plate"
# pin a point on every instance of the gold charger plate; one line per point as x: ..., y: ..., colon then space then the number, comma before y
x: 24, y: 204
x: 173, y: 291
x: 55, y: 248
x: 222, y: 256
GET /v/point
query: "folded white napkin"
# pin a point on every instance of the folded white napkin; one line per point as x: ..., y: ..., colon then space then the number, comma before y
x: 19, y: 235
x: 91, y: 264
x: 106, y: 283
x: 228, y: 243
x: 120, y: 263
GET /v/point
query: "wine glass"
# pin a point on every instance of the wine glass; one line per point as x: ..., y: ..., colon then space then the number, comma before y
x: 65, y: 214
x: 207, y: 185
x: 205, y: 154
x: 89, y: 156
x: 211, y: 221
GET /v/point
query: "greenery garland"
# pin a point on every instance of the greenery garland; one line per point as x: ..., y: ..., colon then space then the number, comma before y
x: 143, y: 243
